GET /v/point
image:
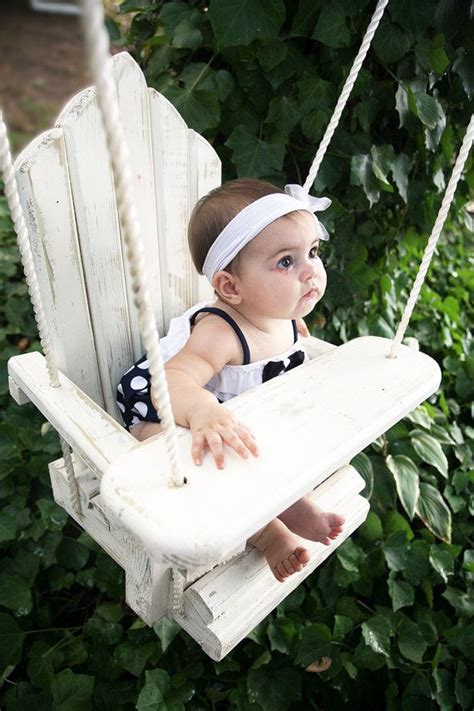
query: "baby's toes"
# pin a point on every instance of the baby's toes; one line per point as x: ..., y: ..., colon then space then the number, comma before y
x: 295, y: 563
x: 335, y: 520
x: 302, y: 554
x: 280, y: 578
x: 281, y: 570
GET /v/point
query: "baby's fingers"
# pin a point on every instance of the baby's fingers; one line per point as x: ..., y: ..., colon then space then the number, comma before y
x: 199, y: 442
x: 249, y: 440
x: 214, y: 441
x: 232, y: 439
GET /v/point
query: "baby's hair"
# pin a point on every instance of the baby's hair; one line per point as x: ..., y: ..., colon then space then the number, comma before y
x: 216, y: 209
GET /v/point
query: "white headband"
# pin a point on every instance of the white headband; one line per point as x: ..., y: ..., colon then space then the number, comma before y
x: 250, y: 221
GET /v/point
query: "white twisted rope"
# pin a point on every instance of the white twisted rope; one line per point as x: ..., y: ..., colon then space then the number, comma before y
x: 177, y: 591
x: 97, y: 44
x: 71, y: 478
x: 364, y: 48
x: 13, y: 200
x: 434, y: 237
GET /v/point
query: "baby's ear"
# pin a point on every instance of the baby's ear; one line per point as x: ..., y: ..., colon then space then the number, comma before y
x: 227, y: 288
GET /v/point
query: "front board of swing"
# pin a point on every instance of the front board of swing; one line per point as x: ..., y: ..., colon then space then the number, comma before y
x: 307, y: 424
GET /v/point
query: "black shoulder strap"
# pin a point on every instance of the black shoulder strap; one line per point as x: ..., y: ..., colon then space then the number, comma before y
x: 295, y: 330
x: 231, y: 322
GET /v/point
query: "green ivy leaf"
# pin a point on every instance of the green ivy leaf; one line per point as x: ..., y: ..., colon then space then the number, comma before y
x: 305, y: 18
x: 187, y: 36
x: 72, y: 555
x: 462, y: 602
x: 200, y: 109
x: 72, y: 692
x: 313, y: 126
x: 371, y: 530
x: 166, y: 629
x: 273, y: 689
x: 253, y: 157
x: 15, y: 594
x: 11, y: 641
x: 442, y: 561
x: 401, y: 593
x: 240, y: 22
x: 426, y: 108
x: 315, y: 643
x: 429, y: 450
x: 52, y: 515
x: 410, y: 641
x: 172, y: 14
x: 133, y: 5
x: 350, y: 556
x: 390, y: 42
x: 271, y: 54
x: 401, y: 167
x: 434, y: 512
x: 44, y: 662
x: 363, y: 464
x: 133, y: 658
x: 463, y: 687
x: 407, y: 482
x: 363, y: 175
x: 464, y: 67
x: 7, y: 526
x: 284, y: 114
x: 415, y: 17
x: 462, y: 638
x: 281, y: 633
x: 439, y: 59
x: 152, y: 695
x: 331, y: 28
x: 376, y: 633
x: 315, y: 93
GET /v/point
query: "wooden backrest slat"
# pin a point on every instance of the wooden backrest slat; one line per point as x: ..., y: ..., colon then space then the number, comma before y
x: 99, y: 234
x: 45, y: 194
x: 68, y: 190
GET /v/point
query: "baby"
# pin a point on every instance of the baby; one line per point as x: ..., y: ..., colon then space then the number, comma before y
x: 258, y: 246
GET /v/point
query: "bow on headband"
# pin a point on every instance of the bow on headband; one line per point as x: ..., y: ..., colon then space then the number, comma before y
x: 313, y: 204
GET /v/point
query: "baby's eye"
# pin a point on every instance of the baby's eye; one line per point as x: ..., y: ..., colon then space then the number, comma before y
x: 285, y: 262
x: 313, y: 252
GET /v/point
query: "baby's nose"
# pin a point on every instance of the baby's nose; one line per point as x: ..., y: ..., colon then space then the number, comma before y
x: 309, y: 271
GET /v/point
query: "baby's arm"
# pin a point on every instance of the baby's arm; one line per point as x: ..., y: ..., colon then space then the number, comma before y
x: 211, y: 345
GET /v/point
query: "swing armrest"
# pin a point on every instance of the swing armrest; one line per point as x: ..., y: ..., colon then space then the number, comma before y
x: 93, y: 434
x: 315, y: 347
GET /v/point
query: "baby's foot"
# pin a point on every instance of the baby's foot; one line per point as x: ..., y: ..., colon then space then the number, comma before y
x: 310, y: 522
x: 281, y: 549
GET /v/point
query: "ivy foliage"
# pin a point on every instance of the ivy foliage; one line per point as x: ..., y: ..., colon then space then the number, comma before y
x: 387, y: 621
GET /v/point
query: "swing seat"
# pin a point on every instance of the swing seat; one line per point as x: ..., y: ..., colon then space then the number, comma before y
x: 308, y: 424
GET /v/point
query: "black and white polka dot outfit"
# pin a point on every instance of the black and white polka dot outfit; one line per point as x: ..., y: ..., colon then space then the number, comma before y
x: 133, y: 392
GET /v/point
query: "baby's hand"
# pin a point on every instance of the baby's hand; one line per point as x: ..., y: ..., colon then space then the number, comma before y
x: 301, y: 327
x: 211, y: 426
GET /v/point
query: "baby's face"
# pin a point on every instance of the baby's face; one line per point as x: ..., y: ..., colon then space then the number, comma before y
x: 281, y: 274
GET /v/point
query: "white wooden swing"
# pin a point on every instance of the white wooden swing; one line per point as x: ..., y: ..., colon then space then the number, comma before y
x: 171, y: 539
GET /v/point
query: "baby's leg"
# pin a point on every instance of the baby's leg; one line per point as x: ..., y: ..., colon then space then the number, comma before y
x: 144, y: 430
x: 281, y: 549
x: 309, y: 521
